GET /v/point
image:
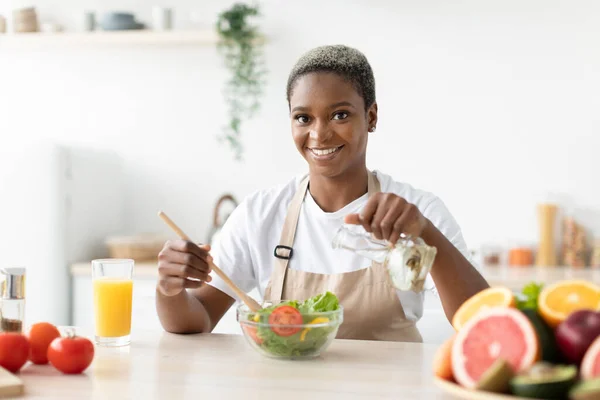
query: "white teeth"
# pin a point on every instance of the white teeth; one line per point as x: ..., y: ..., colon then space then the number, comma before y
x: 323, y: 152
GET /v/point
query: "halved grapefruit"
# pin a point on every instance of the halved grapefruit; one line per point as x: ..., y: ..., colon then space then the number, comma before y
x: 487, y: 298
x: 590, y: 365
x: 492, y: 334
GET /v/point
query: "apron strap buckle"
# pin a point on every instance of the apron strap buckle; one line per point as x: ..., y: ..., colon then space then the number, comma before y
x: 284, y: 256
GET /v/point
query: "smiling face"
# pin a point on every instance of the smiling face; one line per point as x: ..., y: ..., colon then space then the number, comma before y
x: 329, y: 123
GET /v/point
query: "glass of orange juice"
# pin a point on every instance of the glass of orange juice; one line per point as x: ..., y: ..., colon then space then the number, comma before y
x: 113, y: 296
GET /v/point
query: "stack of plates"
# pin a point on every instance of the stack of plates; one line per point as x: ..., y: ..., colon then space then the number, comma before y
x: 25, y: 20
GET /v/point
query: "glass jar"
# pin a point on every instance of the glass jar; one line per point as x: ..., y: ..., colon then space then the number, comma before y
x: 12, y: 299
x: 491, y: 255
x: 408, y: 261
x: 595, y: 258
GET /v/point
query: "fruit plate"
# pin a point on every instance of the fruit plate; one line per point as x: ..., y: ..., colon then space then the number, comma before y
x: 461, y: 393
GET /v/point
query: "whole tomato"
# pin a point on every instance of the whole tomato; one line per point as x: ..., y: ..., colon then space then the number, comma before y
x: 40, y: 336
x: 71, y: 354
x: 14, y: 351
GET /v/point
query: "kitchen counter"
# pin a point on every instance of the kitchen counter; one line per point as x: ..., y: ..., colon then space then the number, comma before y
x: 160, y: 365
x: 434, y: 326
x: 512, y: 277
x: 516, y: 277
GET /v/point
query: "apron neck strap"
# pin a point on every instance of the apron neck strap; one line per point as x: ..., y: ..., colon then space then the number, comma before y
x: 373, y: 185
x: 284, y: 251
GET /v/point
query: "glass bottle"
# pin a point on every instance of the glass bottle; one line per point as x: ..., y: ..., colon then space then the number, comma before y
x: 546, y: 255
x: 12, y: 300
x: 408, y: 261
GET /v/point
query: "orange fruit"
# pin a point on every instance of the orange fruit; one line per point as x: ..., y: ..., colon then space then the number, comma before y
x: 560, y: 299
x: 487, y: 298
x: 442, y: 361
x: 492, y: 334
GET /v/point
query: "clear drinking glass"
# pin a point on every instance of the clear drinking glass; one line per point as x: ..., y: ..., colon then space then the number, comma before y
x: 113, y: 297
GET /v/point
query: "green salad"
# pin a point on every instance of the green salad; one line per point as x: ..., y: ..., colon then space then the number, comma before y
x: 278, y: 329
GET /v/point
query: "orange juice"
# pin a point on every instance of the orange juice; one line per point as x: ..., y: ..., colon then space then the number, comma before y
x: 112, y: 302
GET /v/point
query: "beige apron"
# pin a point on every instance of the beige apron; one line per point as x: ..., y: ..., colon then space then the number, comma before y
x: 372, y: 309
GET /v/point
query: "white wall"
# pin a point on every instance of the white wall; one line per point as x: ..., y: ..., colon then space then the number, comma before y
x: 57, y: 207
x: 489, y: 104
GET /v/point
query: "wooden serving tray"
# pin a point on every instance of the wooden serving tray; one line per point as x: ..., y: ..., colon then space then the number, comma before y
x: 462, y: 393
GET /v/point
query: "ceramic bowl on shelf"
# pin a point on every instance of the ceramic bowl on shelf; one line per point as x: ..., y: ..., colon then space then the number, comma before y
x: 118, y: 21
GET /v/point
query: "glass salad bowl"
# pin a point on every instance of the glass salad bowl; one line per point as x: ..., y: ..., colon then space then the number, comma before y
x: 290, y: 329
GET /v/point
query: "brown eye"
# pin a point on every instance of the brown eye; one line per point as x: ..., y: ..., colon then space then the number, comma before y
x: 303, y: 119
x: 340, y: 115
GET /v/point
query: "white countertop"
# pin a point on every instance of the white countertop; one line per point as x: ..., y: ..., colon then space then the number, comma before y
x: 160, y: 365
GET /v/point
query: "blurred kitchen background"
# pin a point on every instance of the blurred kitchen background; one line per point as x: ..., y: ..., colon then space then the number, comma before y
x: 492, y: 105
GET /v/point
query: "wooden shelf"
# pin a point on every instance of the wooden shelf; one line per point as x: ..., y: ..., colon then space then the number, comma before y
x: 133, y: 37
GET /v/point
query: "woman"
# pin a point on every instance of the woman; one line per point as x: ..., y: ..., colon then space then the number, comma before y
x: 331, y: 97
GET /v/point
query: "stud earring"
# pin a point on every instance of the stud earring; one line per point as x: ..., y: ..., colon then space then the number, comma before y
x: 372, y: 129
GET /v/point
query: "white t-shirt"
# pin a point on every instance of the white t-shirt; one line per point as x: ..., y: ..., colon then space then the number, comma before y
x: 244, y: 250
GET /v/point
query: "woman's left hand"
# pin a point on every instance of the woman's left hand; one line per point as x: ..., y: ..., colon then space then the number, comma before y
x: 387, y: 216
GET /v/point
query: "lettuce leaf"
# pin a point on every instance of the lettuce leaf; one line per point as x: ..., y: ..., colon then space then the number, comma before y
x: 321, y: 303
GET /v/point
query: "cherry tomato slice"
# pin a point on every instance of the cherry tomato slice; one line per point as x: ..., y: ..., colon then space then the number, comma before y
x: 252, y: 332
x: 285, y: 315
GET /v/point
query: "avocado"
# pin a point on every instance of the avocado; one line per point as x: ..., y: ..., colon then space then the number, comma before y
x: 496, y: 377
x: 545, y: 381
x: 545, y: 335
x: 586, y: 390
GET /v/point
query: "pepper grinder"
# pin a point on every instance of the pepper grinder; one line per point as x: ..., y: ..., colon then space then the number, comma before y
x: 12, y: 300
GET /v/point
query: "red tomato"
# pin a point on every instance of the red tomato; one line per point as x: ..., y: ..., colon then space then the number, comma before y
x: 14, y: 351
x: 71, y: 355
x: 285, y: 315
x: 252, y: 332
x: 40, y: 336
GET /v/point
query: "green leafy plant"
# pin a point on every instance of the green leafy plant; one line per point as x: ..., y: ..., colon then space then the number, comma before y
x: 528, y: 298
x: 241, y: 47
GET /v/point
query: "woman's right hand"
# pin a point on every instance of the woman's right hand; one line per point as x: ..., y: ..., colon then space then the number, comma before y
x: 182, y: 265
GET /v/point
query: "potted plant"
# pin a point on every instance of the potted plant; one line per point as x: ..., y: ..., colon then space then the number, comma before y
x: 240, y: 45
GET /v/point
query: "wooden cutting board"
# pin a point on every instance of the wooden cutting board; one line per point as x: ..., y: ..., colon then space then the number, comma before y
x: 10, y: 385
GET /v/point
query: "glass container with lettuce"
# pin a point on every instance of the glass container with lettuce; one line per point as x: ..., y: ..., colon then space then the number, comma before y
x: 292, y: 329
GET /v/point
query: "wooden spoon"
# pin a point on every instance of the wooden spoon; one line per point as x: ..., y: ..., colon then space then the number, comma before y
x: 249, y: 301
